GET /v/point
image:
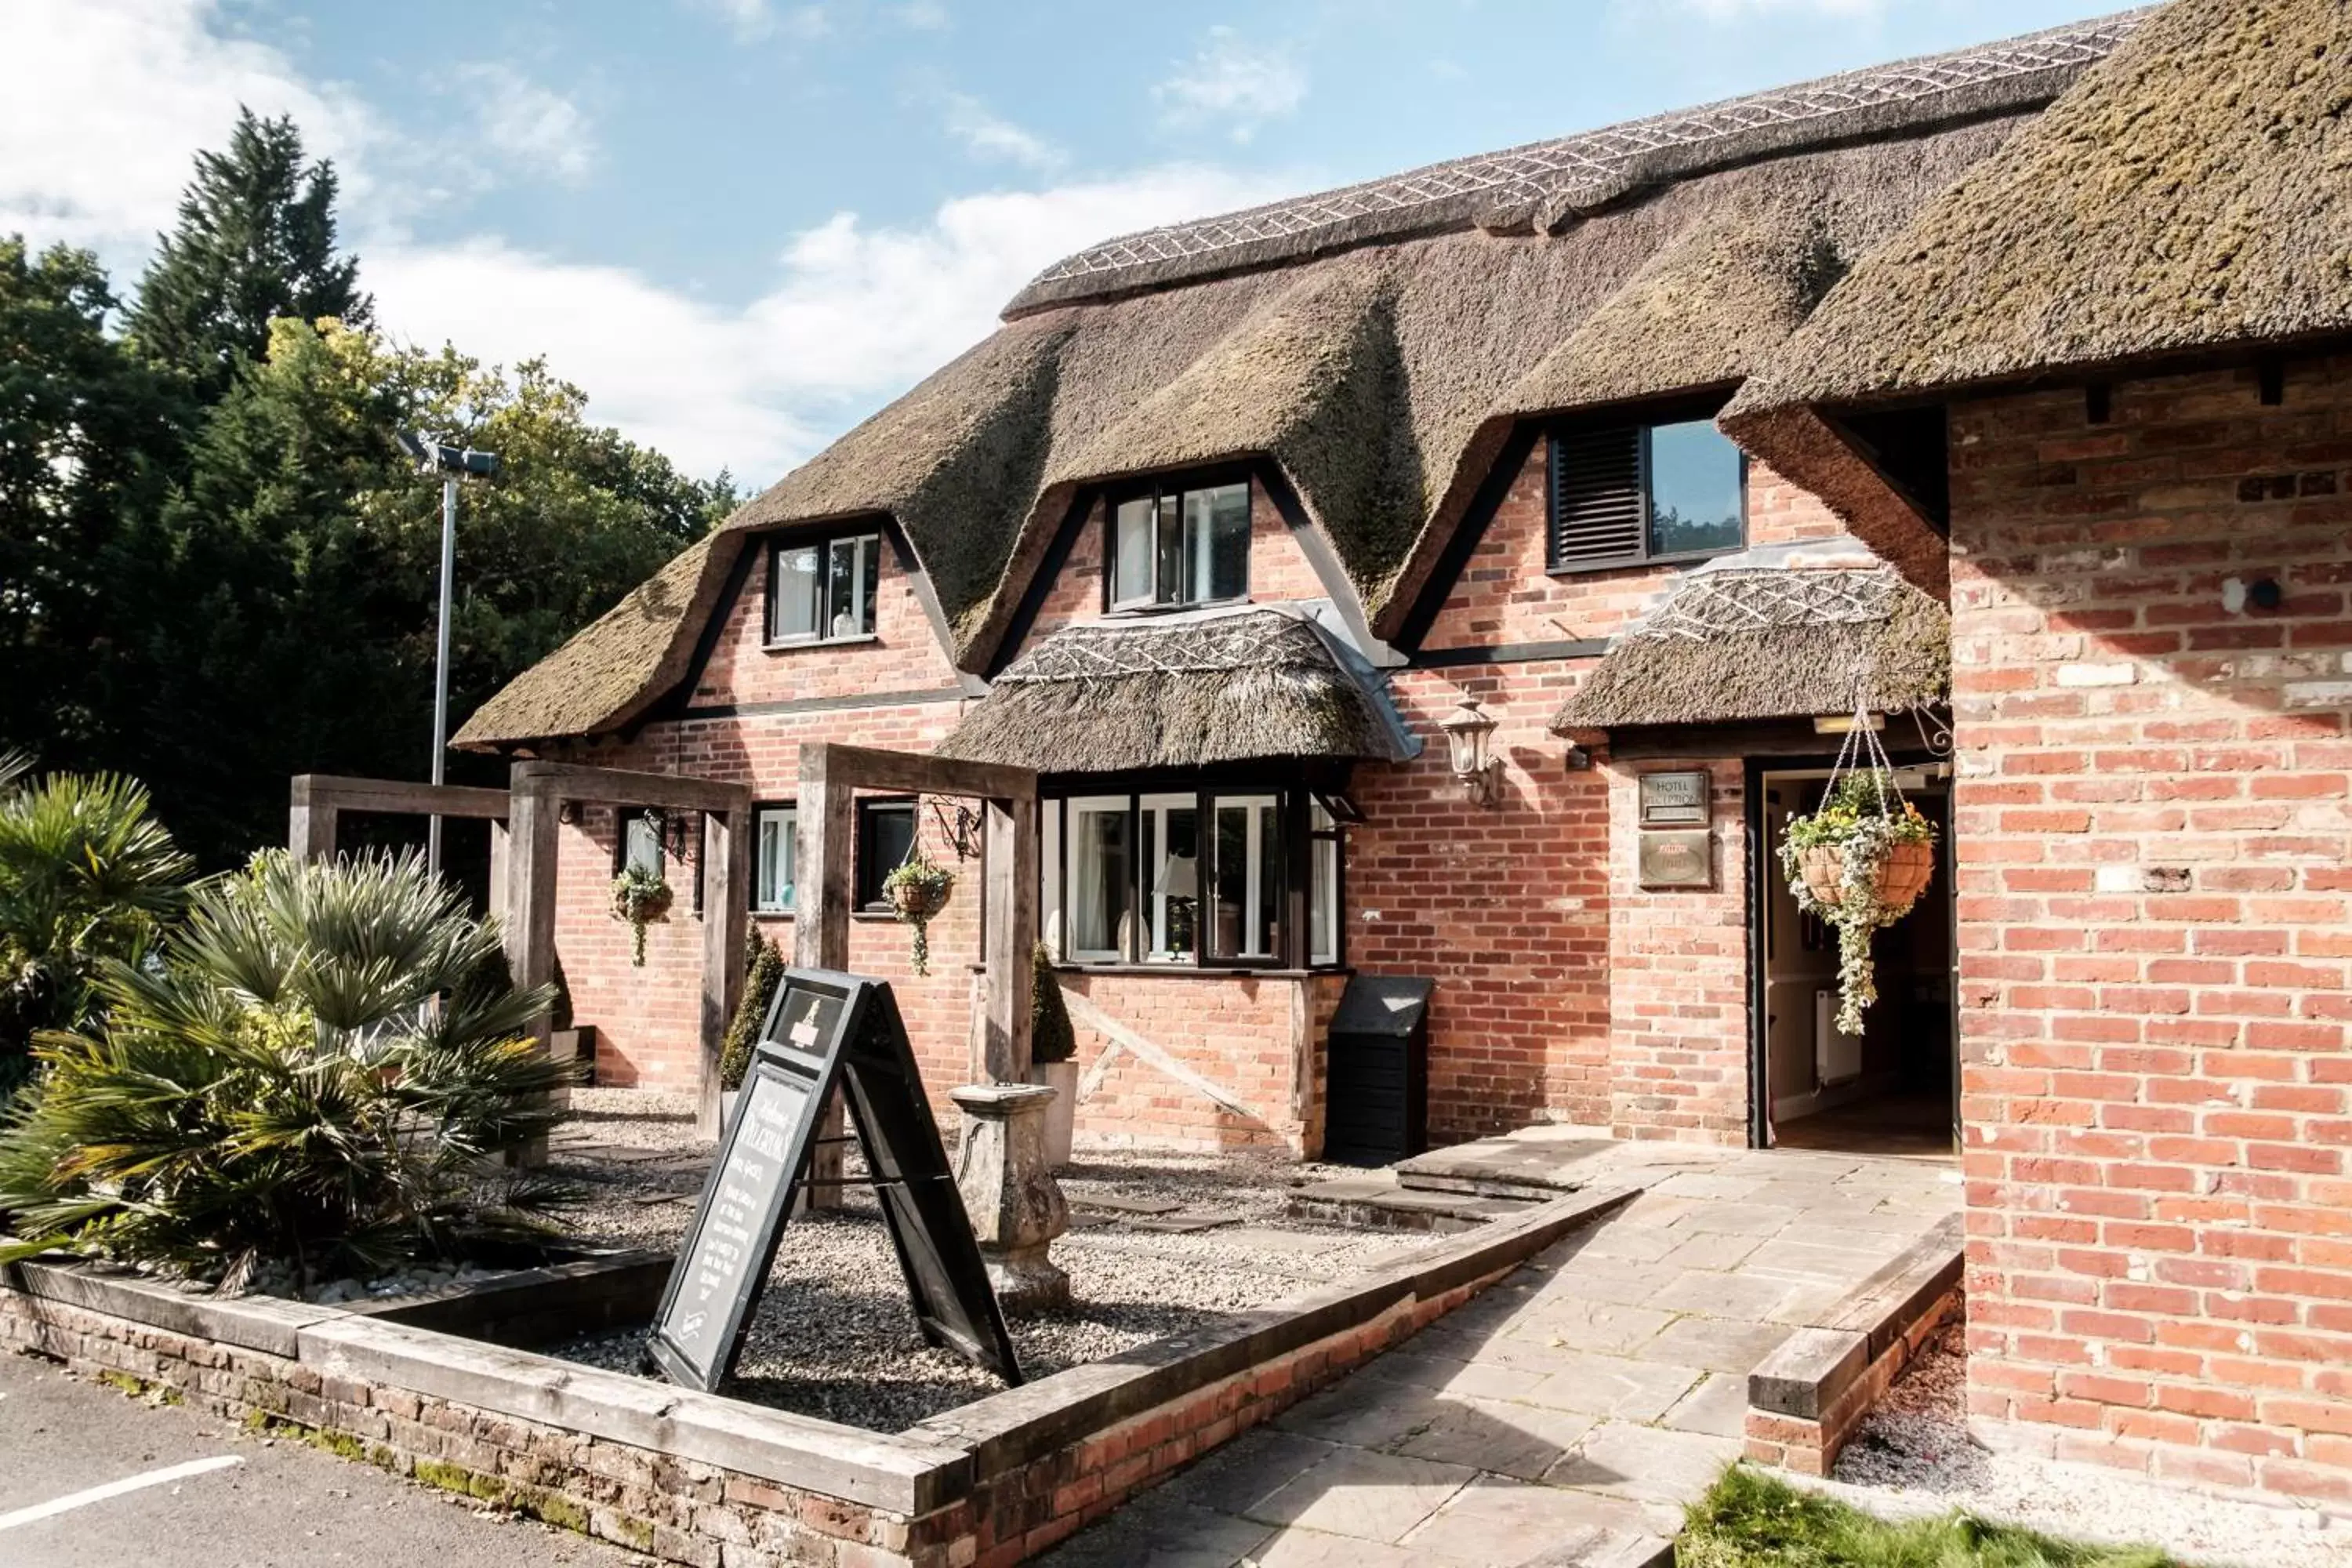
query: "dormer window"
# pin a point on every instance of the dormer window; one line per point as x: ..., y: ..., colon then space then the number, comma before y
x: 1622, y: 495
x: 1172, y: 547
x: 822, y: 592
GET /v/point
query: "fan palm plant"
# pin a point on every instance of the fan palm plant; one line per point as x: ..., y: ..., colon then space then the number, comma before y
x: 87, y: 874
x: 320, y: 1072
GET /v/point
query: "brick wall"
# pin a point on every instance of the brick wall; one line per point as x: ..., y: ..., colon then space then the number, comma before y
x: 2153, y: 877
x: 1246, y: 1035
x: 1279, y: 571
x: 1528, y: 914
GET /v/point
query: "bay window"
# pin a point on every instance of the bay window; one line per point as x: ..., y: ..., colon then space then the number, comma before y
x: 1235, y: 877
x: 1170, y: 548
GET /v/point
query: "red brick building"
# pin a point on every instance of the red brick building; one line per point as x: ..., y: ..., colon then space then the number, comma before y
x: 1996, y: 399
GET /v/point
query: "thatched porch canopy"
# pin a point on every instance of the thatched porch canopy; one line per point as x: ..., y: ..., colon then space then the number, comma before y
x: 1784, y: 633
x: 1377, y: 345
x: 1180, y: 691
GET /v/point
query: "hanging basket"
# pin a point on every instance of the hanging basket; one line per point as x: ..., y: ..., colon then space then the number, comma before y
x: 918, y: 903
x: 1900, y: 877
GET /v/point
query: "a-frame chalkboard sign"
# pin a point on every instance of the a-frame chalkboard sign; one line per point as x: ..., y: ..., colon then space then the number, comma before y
x: 825, y: 1028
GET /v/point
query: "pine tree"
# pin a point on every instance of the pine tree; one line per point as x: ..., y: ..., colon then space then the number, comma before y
x: 255, y: 240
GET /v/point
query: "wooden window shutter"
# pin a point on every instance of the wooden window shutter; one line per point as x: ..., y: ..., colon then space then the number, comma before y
x: 1597, y: 515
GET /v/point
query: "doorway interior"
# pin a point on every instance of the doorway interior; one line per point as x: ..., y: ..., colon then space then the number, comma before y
x: 1895, y: 1089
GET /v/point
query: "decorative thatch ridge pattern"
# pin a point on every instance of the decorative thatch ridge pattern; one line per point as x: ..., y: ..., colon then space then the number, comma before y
x: 1382, y: 381
x: 1546, y: 185
x: 2194, y: 190
x: 1778, y: 633
x: 1219, y: 686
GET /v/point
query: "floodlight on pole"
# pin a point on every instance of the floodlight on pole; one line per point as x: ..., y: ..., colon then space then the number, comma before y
x: 452, y: 464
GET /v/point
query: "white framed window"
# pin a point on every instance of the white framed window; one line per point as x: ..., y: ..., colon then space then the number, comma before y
x: 1101, y: 879
x: 1169, y: 855
x: 1322, y: 885
x: 824, y: 591
x: 640, y: 847
x: 776, y: 859
x: 1243, y: 901
x: 1176, y: 547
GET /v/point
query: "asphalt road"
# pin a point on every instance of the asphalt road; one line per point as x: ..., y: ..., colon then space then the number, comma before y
x: 279, y: 1505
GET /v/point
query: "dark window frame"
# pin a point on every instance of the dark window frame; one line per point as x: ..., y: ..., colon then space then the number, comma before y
x: 1177, y: 485
x: 863, y: 863
x: 1293, y: 821
x: 777, y: 544
x: 624, y: 815
x: 1644, y: 422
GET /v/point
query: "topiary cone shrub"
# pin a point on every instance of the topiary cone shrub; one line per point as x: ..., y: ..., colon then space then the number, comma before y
x: 764, y: 972
x: 323, y: 1070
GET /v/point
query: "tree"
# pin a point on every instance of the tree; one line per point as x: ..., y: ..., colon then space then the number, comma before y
x: 255, y: 241
x: 284, y: 608
x: 88, y: 435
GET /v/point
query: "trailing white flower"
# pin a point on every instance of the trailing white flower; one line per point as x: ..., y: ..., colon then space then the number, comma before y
x: 1864, y: 821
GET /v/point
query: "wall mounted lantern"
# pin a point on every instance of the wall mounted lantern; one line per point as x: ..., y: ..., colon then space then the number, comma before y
x: 1469, y: 731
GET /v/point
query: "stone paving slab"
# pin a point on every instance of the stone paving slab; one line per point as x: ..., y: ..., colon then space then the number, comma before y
x: 1564, y: 1418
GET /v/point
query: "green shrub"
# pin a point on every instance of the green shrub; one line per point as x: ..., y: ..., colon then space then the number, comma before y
x: 1752, y: 1521
x: 87, y: 874
x: 763, y: 971
x: 321, y: 1070
x: 1051, y: 1038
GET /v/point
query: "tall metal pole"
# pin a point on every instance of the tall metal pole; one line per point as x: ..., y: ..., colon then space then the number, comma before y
x: 441, y: 661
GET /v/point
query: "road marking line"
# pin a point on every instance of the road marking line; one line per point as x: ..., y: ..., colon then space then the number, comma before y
x: 116, y: 1488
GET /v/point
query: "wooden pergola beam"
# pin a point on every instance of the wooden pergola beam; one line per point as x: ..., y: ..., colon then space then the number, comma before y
x: 616, y: 786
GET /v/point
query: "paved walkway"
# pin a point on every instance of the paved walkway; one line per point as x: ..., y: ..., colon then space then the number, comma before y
x: 1565, y: 1417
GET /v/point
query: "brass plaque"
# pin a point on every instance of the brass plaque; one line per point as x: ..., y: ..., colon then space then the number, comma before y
x: 1677, y: 857
x: 1675, y: 800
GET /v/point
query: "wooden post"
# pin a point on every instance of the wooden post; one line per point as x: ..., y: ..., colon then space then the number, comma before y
x: 497, y: 894
x: 529, y: 930
x: 821, y: 925
x: 725, y: 912
x: 311, y: 823
x: 1012, y: 935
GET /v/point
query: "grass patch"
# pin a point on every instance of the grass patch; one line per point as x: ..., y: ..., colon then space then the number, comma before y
x: 1752, y: 1521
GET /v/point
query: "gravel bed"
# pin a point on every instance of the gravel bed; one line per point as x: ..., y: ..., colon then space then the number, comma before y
x: 833, y: 1336
x: 1913, y: 1455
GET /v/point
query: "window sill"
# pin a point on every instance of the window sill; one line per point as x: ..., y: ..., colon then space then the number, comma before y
x: 1635, y: 563
x: 796, y: 644
x: 1198, y: 971
x: 1146, y: 612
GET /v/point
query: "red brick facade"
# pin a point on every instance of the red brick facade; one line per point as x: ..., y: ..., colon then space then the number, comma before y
x: 2154, y: 862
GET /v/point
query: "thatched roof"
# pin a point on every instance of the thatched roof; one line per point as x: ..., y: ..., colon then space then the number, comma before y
x: 1213, y: 686
x: 1378, y: 344
x: 610, y: 672
x: 1783, y: 632
x: 2194, y: 190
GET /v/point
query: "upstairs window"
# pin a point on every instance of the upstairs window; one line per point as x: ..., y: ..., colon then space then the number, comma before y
x: 822, y: 592
x: 1176, y: 547
x: 1625, y: 494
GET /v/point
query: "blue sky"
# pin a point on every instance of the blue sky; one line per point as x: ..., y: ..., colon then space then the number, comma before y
x: 742, y: 225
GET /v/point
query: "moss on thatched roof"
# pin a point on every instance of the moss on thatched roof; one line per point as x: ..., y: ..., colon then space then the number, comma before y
x: 1219, y: 686
x: 2193, y: 190
x: 1773, y: 633
x: 1378, y: 347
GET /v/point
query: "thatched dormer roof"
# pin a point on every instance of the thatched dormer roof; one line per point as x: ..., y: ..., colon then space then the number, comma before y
x: 2193, y: 191
x: 1782, y: 632
x: 1377, y: 344
x: 1183, y: 691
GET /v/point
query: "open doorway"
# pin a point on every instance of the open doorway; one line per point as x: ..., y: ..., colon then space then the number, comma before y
x: 1895, y: 1089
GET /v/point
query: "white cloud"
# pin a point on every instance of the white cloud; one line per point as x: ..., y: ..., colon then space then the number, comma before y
x: 1233, y: 86
x: 856, y: 313
x: 534, y: 129
x: 103, y: 103
x: 755, y: 20
x: 988, y: 136
x: 923, y: 16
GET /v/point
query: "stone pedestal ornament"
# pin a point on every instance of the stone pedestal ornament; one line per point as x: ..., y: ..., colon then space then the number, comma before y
x: 1008, y: 1188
